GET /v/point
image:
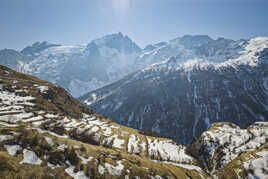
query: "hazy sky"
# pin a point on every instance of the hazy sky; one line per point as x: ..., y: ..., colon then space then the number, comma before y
x: 23, y: 22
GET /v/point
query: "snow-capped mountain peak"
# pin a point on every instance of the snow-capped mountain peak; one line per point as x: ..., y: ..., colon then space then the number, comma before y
x: 255, y: 49
x: 119, y: 42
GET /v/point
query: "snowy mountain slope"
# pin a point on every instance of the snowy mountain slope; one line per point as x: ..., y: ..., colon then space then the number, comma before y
x: 189, y: 47
x: 50, y: 64
x: 181, y: 100
x: 83, y: 68
x: 46, y: 133
x: 79, y: 68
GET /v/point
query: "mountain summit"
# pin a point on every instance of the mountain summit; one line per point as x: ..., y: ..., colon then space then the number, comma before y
x: 119, y: 42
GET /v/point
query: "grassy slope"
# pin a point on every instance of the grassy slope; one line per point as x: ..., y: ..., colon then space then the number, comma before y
x: 58, y: 102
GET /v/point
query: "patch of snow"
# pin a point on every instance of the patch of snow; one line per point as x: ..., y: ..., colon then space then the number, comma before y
x: 133, y: 143
x: 52, y: 166
x: 93, y: 130
x: 187, y: 166
x: 101, y: 169
x: 41, y: 112
x: 168, y: 150
x: 118, y: 142
x: 29, y: 157
x: 37, y: 118
x: 85, y: 160
x: 114, y: 170
x: 51, y: 116
x: 78, y: 175
x: 107, y: 131
x: 12, y: 149
x: 73, y: 124
x: 156, y: 177
x: 5, y: 137
x: 38, y: 123
x: 43, y: 89
x: 15, y: 133
x: 7, y: 125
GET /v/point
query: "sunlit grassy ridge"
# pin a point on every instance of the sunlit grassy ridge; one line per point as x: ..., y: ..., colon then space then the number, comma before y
x: 43, y: 128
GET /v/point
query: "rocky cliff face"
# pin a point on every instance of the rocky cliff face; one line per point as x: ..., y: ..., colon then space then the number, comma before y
x: 181, y: 100
x: 227, y: 151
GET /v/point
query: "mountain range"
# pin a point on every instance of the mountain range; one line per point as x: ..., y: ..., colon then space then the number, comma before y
x: 84, y: 68
x: 181, y: 99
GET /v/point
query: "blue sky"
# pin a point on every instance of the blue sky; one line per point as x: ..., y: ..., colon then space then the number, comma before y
x: 145, y: 21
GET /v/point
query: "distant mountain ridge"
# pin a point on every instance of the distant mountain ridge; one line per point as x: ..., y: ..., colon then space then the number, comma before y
x: 118, y: 41
x: 190, y: 47
x: 83, y: 68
